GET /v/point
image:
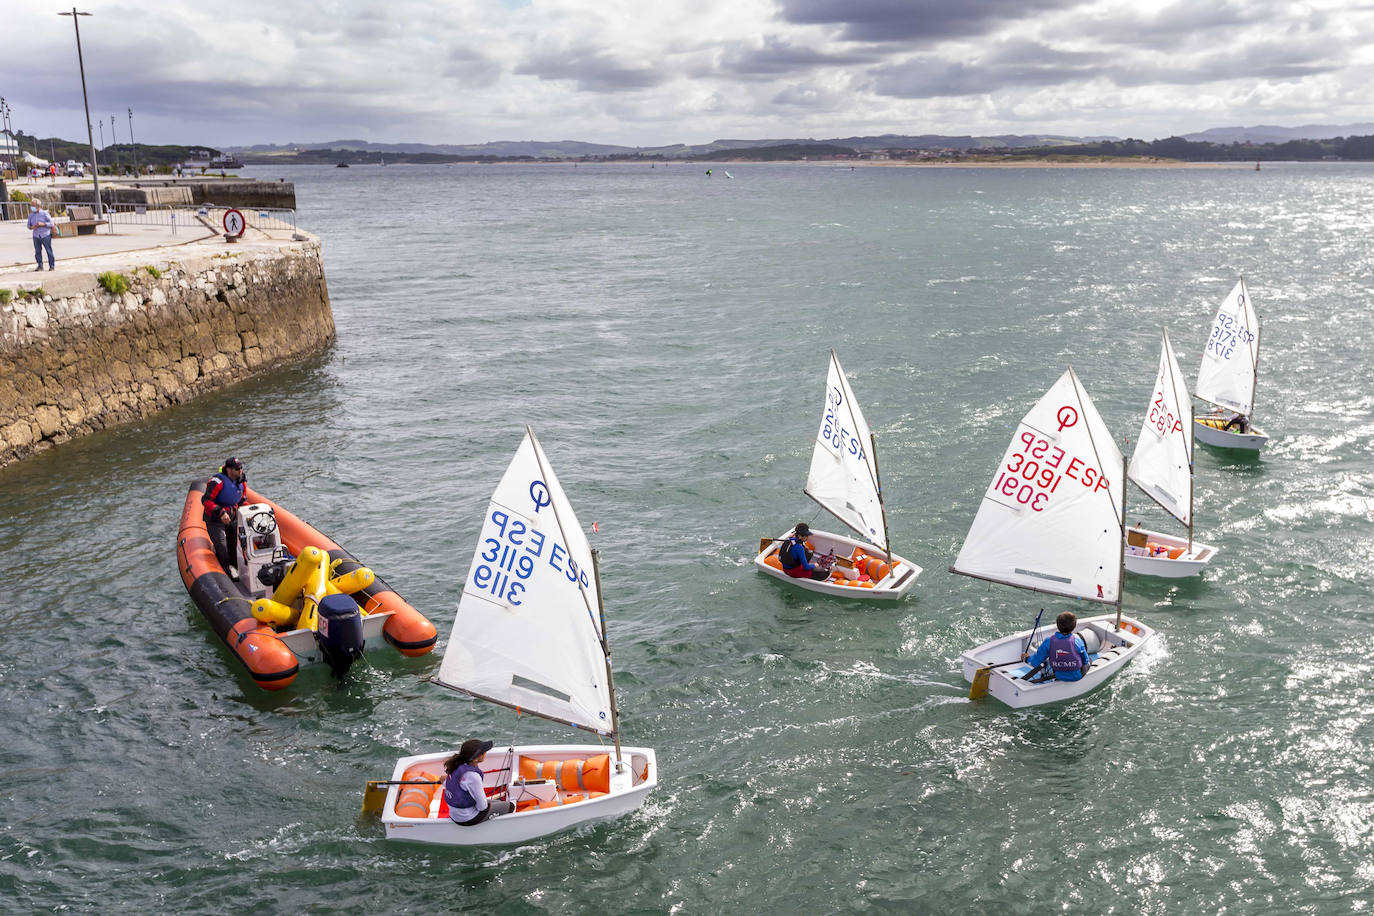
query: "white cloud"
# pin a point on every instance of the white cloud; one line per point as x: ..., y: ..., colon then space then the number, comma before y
x: 623, y: 71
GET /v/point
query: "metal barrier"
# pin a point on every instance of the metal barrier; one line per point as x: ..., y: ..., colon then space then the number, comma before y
x: 256, y: 218
x: 264, y: 218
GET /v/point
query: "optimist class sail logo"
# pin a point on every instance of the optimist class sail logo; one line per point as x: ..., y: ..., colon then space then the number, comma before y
x: 539, y: 493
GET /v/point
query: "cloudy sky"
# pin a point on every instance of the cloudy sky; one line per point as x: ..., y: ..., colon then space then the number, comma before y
x: 653, y: 72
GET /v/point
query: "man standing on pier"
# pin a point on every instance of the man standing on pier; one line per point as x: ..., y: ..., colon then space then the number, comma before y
x: 42, y: 225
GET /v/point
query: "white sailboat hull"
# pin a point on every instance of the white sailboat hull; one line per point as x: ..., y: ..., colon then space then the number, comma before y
x: 894, y: 585
x: 1188, y: 562
x: 1006, y: 683
x: 628, y: 789
x: 1208, y: 431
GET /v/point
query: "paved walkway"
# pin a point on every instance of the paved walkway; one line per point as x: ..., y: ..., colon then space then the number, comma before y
x: 80, y: 257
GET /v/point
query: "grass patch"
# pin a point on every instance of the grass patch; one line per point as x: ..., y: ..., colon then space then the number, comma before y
x: 19, y: 196
x: 5, y: 296
x: 114, y: 283
x: 153, y: 272
x: 36, y: 293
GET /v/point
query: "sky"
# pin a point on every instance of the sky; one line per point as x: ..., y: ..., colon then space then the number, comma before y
x: 658, y: 72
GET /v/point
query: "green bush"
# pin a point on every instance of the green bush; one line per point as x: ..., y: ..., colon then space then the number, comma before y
x: 153, y: 272
x: 19, y: 195
x: 6, y: 295
x: 36, y: 293
x: 114, y: 283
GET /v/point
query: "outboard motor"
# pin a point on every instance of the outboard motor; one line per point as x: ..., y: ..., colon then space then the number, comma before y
x: 340, y: 633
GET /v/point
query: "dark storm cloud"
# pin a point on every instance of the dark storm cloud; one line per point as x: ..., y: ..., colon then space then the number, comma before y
x: 1016, y: 64
x: 592, y: 69
x: 908, y: 20
x: 778, y: 57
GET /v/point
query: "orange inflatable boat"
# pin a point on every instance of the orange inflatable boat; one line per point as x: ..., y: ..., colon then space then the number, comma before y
x: 294, y: 597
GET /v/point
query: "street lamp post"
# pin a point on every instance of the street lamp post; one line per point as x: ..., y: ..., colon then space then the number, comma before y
x: 114, y: 140
x: 81, y: 64
x: 132, y: 141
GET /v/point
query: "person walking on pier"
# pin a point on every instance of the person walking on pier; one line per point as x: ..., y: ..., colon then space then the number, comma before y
x: 41, y: 222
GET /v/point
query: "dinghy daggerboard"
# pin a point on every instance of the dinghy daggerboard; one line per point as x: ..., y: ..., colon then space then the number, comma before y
x: 529, y: 635
x: 1052, y: 520
x: 843, y: 480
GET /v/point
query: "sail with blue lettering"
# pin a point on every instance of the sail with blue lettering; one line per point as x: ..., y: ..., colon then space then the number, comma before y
x: 1230, y: 360
x: 1162, y: 463
x: 527, y: 633
x: 842, y: 476
x: 1051, y: 520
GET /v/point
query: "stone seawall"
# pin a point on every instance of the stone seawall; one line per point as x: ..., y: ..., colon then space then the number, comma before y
x: 80, y: 358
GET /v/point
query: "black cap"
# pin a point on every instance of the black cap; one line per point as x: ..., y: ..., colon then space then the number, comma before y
x: 472, y: 749
x: 234, y: 463
x: 802, y: 530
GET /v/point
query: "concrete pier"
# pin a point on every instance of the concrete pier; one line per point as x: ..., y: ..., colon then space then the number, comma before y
x: 152, y: 315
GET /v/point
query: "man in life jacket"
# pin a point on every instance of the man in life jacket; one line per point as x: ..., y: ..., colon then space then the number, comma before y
x: 1065, y: 651
x: 224, y: 493
x: 465, y: 790
x: 795, y: 557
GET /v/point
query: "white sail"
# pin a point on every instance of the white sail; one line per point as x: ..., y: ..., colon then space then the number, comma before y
x: 1051, y: 518
x: 1231, y: 357
x: 1162, y: 464
x: 527, y: 632
x: 842, y: 478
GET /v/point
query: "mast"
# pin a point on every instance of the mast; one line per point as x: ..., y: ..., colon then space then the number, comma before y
x: 606, y: 650
x: 1254, y: 386
x: 1192, y: 418
x: 1121, y: 555
x: 878, y: 480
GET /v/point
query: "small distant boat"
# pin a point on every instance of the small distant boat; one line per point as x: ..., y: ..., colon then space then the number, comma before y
x: 728, y: 175
x: 844, y: 480
x: 529, y: 635
x: 1053, y: 521
x: 1229, y: 373
x: 341, y: 165
x: 1162, y: 467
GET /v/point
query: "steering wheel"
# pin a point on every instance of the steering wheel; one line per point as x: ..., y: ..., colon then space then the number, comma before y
x: 262, y: 523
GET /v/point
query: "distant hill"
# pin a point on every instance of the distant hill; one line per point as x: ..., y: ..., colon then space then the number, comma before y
x: 1264, y: 133
x: 361, y: 151
x: 572, y: 149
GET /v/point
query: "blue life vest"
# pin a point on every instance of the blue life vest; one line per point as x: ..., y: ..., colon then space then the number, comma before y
x: 1064, y: 654
x: 230, y: 494
x: 454, y: 793
x: 787, y: 555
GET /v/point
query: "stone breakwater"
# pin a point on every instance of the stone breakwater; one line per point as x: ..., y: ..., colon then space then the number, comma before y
x: 81, y: 358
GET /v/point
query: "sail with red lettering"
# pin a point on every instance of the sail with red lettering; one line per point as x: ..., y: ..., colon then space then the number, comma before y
x: 842, y: 476
x: 527, y: 633
x: 1230, y: 360
x: 1051, y: 519
x: 1162, y: 464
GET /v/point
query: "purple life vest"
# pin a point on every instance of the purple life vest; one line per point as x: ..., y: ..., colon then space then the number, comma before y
x: 454, y: 793
x: 1064, y: 653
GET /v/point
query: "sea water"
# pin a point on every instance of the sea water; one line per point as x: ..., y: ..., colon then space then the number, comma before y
x: 666, y: 333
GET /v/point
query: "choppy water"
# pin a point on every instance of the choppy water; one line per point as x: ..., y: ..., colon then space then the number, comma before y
x: 666, y: 335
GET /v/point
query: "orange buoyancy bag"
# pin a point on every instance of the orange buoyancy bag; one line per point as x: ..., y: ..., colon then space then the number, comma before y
x: 588, y: 773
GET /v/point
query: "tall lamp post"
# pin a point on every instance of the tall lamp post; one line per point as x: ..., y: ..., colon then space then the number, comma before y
x: 95, y: 166
x: 115, y: 141
x: 133, y: 142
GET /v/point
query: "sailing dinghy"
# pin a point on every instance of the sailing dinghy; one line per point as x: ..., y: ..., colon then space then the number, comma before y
x: 1162, y: 467
x: 844, y: 480
x: 1229, y: 372
x: 1052, y: 521
x: 530, y: 635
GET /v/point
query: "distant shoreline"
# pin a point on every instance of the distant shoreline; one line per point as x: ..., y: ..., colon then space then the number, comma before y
x: 1059, y: 164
